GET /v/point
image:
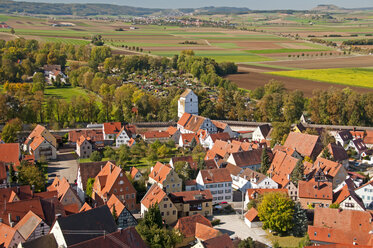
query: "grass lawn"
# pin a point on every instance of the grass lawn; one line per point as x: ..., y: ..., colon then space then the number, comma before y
x: 288, y: 241
x: 65, y: 93
x: 360, y: 77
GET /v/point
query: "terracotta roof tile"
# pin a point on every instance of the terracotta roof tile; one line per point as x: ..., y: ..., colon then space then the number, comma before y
x: 191, y: 182
x: 357, y: 134
x: 10, y: 153
x: 160, y: 172
x: 133, y: 172
x: 22, y: 192
x: 281, y: 168
x: 171, y: 130
x: 154, y: 195
x: 36, y: 142
x: 3, y: 174
x: 89, y: 170
x: 368, y: 139
x: 187, y: 225
x: 345, y: 192
x: 315, y: 190
x: 114, y: 201
x: 249, y: 158
x: 223, y: 241
x: 252, y: 215
x: 6, y: 234
x: 215, y: 175
x: 85, y: 207
x: 112, y: 127
x: 184, y: 119
x: 20, y: 209
x: 219, y: 124
x: 72, y: 209
x: 329, y: 167
x: 342, y: 226
x: 94, y: 135
x: 211, y: 164
x: 188, y: 137
x: 28, y: 224
x: 81, y: 140
x: 204, y: 232
x: 305, y: 144
x: 194, y: 123
x: 220, y: 136
x: 233, y: 169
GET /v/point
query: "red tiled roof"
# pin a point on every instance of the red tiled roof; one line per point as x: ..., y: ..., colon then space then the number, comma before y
x: 94, y: 135
x: 133, y: 172
x: 112, y: 127
x: 71, y: 208
x: 187, y: 225
x: 114, y: 201
x: 368, y: 139
x: 342, y: 226
x: 171, y: 130
x: 81, y: 140
x: 3, y: 174
x: 184, y: 119
x: 194, y: 123
x: 6, y: 234
x: 10, y: 153
x: 190, y: 182
x: 221, y: 148
x: 219, y: 124
x: 20, y: 209
x: 305, y: 144
x: 154, y: 195
x: 337, y: 151
x: 248, y: 158
x: 28, y: 224
x: 85, y: 207
x: 216, y: 175
x: 160, y: 172
x: 357, y: 134
x: 156, y: 135
x: 252, y: 215
x: 131, y: 142
x: 188, y: 137
x: 315, y: 190
x: 281, y: 168
x: 36, y: 142
x: 220, y: 136
x: 204, y: 232
x: 329, y: 167
x: 22, y: 192
x: 223, y: 241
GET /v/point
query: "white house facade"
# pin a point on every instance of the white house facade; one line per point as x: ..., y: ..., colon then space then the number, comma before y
x: 365, y: 192
x: 122, y: 138
x: 188, y: 103
x: 220, y: 186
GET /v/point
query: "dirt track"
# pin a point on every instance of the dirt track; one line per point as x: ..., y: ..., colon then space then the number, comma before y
x: 252, y: 80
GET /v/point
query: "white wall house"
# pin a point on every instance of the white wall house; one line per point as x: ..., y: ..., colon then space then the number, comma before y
x: 193, y: 123
x: 261, y: 132
x: 84, y: 147
x: 188, y: 103
x: 122, y: 138
x: 218, y: 181
x: 365, y: 192
x: 41, y: 148
x: 343, y: 138
x: 248, y: 180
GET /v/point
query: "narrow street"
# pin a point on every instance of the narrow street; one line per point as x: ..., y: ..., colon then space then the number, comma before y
x: 66, y: 166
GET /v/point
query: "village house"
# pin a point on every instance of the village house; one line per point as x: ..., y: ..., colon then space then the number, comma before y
x: 224, y: 128
x: 358, y: 146
x: 135, y: 173
x: 305, y: 144
x: 84, y: 172
x: 218, y: 181
x: 261, y: 132
x: 252, y: 194
x: 165, y: 177
x: 95, y: 136
x: 110, y: 131
x: 347, y: 198
x: 357, y: 134
x: 84, y: 147
x: 204, y: 233
x: 338, y: 226
x: 47, y: 240
x: 41, y: 143
x: 125, y: 135
x: 155, y: 195
x: 338, y: 154
x: 210, y: 139
x: 219, y: 241
x: 299, y: 128
x: 333, y: 171
x: 83, y: 226
x: 9, y: 236
x: 66, y: 194
x: 152, y: 136
x: 187, y: 227
x: 252, y: 218
x: 187, y: 140
x: 248, y: 159
x: 31, y: 227
x: 288, y: 151
x: 189, y: 123
x: 343, y: 138
x: 314, y: 193
x: 280, y: 171
x: 365, y: 193
x: 187, y: 103
x: 112, y: 180
x: 243, y: 179
x: 192, y: 202
x: 368, y: 139
x: 174, y: 133
x: 222, y: 149
x: 124, y: 217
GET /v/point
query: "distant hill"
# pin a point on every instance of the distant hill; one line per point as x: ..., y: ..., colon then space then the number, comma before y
x: 12, y: 7
x: 326, y: 7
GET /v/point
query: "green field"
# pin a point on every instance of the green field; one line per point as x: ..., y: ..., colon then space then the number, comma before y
x: 64, y: 93
x: 66, y: 41
x: 284, y: 50
x: 360, y: 77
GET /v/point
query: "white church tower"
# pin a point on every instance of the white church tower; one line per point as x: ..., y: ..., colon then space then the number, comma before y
x: 188, y: 103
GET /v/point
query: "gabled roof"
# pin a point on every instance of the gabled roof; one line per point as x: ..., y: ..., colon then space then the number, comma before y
x: 204, y: 232
x: 6, y: 234
x: 187, y: 225
x: 248, y: 158
x: 315, y: 190
x: 221, y: 148
x: 368, y: 139
x: 223, y: 241
x: 171, y: 130
x: 252, y: 215
x: 220, y: 136
x: 10, y: 153
x: 85, y: 207
x: 219, y: 124
x: 36, y: 142
x: 38, y: 130
x: 43, y: 241
x: 62, y: 186
x: 126, y: 238
x: 348, y: 190
x: 305, y: 144
x: 330, y: 168
x: 96, y: 220
x: 211, y: 164
x: 345, y: 135
x: 160, y: 172
x: 357, y: 134
x: 20, y: 209
x: 114, y: 201
x: 264, y: 129
x: 281, y: 167
x: 188, y: 137
x: 22, y: 192
x: 342, y: 226
x: 234, y: 169
x: 94, y: 135
x: 51, y: 208
x: 184, y: 119
x: 133, y: 172
x: 89, y: 170
x: 112, y: 127
x: 186, y: 93
x: 128, y: 129
x: 81, y: 140
x: 287, y: 150
x: 28, y: 224
x: 360, y: 145
x: 337, y: 151
x: 191, y: 196
x: 154, y: 195
x: 156, y: 135
x: 215, y: 175
x: 249, y: 174
x: 300, y: 127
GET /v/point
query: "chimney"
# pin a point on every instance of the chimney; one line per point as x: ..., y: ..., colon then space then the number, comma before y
x: 9, y: 218
x: 18, y: 190
x: 32, y: 191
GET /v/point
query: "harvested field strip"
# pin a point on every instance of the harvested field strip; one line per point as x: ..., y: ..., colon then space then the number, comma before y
x: 226, y: 45
x: 66, y: 41
x: 270, y: 66
x: 145, y: 44
x: 284, y: 50
x: 360, y: 77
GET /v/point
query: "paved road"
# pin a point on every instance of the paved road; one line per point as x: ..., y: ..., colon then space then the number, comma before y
x: 235, y: 227
x: 66, y: 166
